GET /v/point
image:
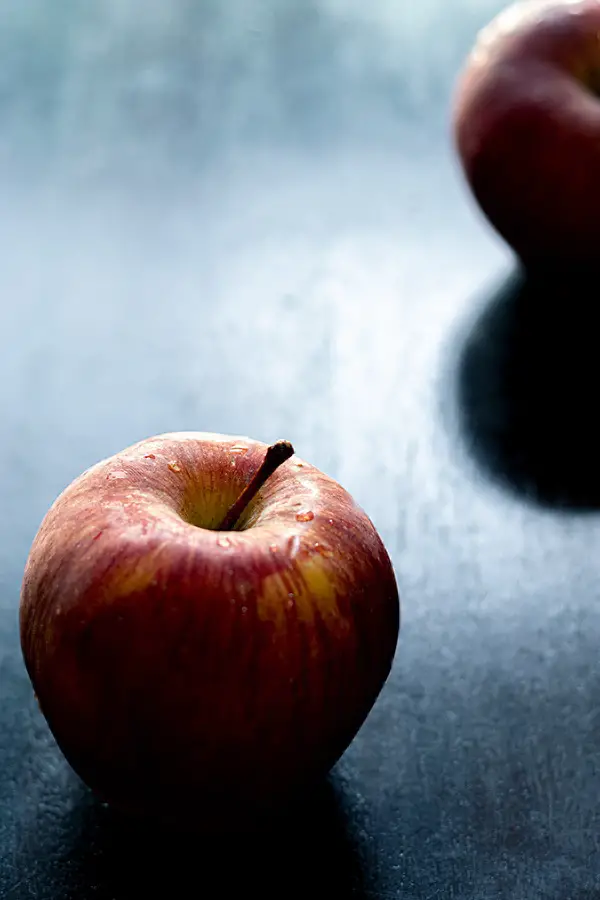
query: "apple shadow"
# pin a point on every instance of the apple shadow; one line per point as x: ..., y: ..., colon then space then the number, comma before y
x: 528, y: 388
x: 309, y: 853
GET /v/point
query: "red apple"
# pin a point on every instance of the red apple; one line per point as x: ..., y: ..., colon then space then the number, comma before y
x: 527, y: 126
x: 205, y: 634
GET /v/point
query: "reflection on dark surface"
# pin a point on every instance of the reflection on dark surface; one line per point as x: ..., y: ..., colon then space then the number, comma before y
x: 529, y: 383
x: 112, y: 858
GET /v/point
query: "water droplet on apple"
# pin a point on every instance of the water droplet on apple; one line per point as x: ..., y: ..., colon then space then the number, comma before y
x: 290, y: 604
x: 223, y: 542
x: 305, y: 516
x: 239, y: 448
x: 244, y: 609
x: 174, y: 466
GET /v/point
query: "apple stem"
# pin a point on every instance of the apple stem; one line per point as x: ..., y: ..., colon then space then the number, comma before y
x: 276, y: 454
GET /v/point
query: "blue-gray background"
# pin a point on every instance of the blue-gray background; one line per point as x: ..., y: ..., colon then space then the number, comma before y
x: 248, y: 218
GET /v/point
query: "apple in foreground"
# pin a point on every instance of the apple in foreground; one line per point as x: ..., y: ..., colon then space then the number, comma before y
x: 526, y: 120
x: 207, y: 622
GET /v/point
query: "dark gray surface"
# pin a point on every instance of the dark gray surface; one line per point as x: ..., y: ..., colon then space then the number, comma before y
x: 247, y: 218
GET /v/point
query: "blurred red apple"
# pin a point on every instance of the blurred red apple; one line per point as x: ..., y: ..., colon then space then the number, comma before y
x: 527, y: 127
x: 206, y: 624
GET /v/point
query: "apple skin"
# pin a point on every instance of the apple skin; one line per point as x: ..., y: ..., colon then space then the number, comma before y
x: 526, y: 121
x: 203, y: 676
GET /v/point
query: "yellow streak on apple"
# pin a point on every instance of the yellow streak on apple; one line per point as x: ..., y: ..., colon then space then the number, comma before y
x: 127, y: 581
x: 316, y: 594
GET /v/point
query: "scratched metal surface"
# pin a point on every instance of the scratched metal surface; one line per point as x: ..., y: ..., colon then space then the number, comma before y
x: 247, y: 218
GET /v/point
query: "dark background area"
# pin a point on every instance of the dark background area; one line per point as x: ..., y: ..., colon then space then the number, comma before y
x: 248, y: 218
